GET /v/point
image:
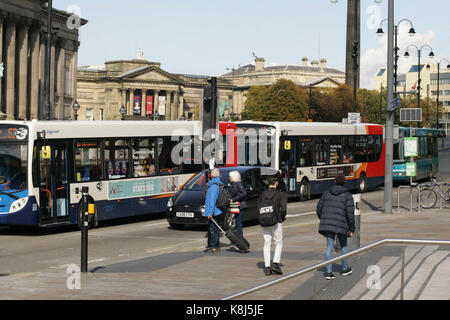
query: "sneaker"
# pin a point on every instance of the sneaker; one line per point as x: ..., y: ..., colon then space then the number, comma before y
x: 347, y: 271
x: 267, y: 271
x: 208, y: 250
x: 276, y: 268
x: 329, y: 276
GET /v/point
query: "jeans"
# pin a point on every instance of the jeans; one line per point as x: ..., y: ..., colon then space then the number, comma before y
x: 238, y: 221
x: 276, y: 233
x: 214, y: 233
x: 330, y: 246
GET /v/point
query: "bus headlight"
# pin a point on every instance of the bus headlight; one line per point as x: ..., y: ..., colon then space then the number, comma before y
x: 170, y: 204
x: 18, y: 205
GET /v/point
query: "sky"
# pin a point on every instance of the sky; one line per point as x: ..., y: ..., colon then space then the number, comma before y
x: 207, y: 37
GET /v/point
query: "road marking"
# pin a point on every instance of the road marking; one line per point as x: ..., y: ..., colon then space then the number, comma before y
x: 299, y: 214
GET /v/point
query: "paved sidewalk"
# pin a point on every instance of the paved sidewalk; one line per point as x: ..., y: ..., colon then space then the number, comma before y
x: 191, y: 274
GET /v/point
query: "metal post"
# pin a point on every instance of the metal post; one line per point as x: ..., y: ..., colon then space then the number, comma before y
x: 389, y: 115
x: 84, y: 231
x: 420, y: 80
x: 403, y: 273
x: 437, y: 106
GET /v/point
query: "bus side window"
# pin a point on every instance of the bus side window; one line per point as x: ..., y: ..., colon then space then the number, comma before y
x: 361, y: 149
x: 371, y: 148
x: 305, y: 157
x: 88, y: 165
x: 335, y: 150
x: 349, y: 149
x: 165, y: 163
x: 116, y: 158
x: 143, y: 157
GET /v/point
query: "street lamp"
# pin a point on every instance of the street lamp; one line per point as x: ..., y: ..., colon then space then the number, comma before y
x: 438, y: 80
x: 411, y: 33
x: 75, y: 108
x: 123, y: 111
x: 419, y: 53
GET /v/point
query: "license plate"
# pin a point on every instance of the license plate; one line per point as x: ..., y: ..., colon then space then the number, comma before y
x: 185, y: 214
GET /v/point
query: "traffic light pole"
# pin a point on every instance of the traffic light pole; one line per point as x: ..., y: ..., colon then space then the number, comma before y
x: 209, y: 117
x: 388, y: 180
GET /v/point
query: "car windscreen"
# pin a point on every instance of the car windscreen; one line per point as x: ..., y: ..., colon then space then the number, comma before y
x: 200, y: 181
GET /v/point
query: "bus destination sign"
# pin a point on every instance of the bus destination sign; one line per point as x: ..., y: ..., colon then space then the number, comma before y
x: 11, y: 133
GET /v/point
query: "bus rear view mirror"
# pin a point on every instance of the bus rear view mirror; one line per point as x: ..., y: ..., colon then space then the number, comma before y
x: 46, y: 152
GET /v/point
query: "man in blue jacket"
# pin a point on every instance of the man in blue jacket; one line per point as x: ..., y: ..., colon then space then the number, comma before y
x: 211, y: 211
x: 336, y: 213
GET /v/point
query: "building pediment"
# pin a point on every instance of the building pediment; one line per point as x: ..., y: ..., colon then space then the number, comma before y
x: 149, y: 73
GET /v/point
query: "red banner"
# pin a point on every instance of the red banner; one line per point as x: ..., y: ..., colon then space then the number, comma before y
x: 149, y: 104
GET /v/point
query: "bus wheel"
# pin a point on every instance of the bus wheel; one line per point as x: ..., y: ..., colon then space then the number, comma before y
x: 362, y: 183
x: 304, y: 190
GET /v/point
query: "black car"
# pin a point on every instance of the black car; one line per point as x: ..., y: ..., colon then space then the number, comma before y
x: 186, y: 207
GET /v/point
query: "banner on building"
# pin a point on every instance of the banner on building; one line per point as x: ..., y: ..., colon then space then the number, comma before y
x: 149, y: 105
x: 137, y: 105
x: 162, y: 106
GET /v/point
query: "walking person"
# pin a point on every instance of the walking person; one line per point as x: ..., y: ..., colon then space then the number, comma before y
x: 336, y: 213
x: 211, y: 211
x: 238, y: 194
x: 271, y: 217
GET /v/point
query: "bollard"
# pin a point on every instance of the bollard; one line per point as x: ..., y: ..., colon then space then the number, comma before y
x: 84, y: 230
x: 354, y: 242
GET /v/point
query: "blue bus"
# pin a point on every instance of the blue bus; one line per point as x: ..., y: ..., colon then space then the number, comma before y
x: 427, y: 162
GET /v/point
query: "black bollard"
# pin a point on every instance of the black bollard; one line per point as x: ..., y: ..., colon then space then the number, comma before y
x: 84, y: 230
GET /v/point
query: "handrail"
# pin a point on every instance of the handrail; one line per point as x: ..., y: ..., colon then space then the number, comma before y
x: 327, y: 262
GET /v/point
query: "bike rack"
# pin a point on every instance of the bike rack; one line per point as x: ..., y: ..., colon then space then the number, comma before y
x: 411, y: 187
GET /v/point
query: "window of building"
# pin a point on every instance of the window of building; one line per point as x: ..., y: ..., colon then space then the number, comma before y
x: 88, y: 165
x: 116, y: 158
x: 89, y: 114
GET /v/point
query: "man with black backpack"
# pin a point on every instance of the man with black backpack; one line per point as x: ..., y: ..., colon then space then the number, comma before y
x: 212, y: 211
x: 270, y: 217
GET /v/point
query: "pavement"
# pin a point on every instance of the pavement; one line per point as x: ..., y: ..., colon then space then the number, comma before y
x: 190, y: 274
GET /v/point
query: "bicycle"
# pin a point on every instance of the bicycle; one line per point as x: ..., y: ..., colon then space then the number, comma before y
x: 429, y: 194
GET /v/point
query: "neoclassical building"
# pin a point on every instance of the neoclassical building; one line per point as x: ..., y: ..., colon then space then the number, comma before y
x: 23, y: 30
x: 306, y: 75
x: 143, y: 89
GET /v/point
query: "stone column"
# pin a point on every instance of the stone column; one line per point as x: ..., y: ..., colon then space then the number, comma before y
x: 53, y: 79
x: 144, y: 103
x: 169, y: 113
x: 155, y: 101
x: 59, y: 63
x: 131, y: 102
x: 41, y: 108
x: 180, y: 106
x: 10, y: 66
x: 2, y: 19
x: 34, y: 90
x: 22, y: 47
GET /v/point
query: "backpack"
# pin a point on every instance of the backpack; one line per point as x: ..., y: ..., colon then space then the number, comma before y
x: 223, y: 200
x: 267, y: 212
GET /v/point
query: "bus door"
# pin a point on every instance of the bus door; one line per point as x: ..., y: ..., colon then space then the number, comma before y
x: 53, y: 186
x: 288, y: 160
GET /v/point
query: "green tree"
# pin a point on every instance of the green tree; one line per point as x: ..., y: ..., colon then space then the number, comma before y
x: 283, y: 101
x: 374, y: 105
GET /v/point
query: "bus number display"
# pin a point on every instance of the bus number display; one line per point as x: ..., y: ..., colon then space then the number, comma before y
x: 13, y: 133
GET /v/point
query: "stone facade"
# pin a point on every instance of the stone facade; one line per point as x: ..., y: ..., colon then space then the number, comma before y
x: 242, y: 79
x: 144, y: 90
x: 23, y: 34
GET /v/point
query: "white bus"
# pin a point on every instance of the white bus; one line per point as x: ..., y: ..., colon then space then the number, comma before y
x: 310, y: 155
x: 127, y: 166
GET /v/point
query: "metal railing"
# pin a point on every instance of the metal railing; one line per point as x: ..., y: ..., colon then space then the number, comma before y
x: 403, y: 242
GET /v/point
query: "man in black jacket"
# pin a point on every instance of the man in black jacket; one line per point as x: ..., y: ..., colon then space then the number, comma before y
x: 273, y: 230
x: 336, y: 213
